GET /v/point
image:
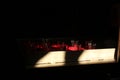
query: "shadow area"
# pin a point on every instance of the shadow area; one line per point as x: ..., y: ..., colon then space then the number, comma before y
x: 71, y: 57
x: 27, y: 55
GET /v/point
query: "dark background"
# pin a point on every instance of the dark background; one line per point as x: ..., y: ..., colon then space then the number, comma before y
x: 87, y: 20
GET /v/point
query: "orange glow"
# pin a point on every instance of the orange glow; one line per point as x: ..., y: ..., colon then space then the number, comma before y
x: 72, y: 48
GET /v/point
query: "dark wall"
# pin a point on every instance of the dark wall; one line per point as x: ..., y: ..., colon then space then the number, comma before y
x: 87, y: 19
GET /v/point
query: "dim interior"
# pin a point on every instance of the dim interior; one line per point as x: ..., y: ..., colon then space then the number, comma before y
x: 67, y: 51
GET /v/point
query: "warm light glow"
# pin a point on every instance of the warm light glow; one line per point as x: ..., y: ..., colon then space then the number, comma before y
x: 93, y: 56
x: 96, y: 56
x: 51, y: 59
